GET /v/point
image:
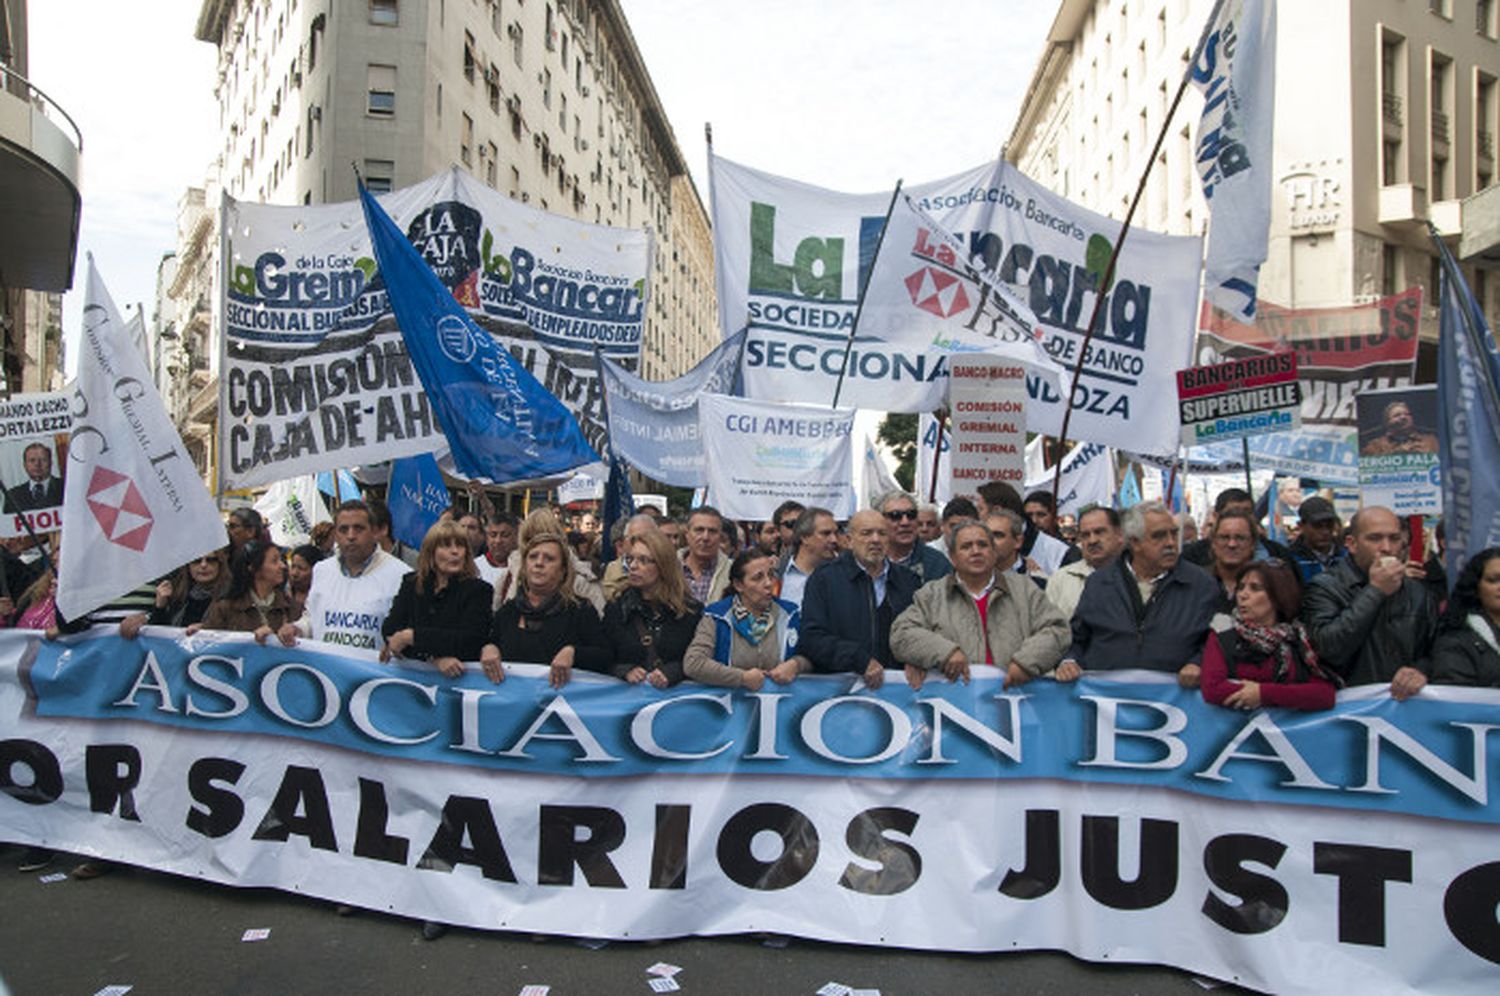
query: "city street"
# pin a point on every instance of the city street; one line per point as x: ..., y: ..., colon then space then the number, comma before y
x: 162, y: 934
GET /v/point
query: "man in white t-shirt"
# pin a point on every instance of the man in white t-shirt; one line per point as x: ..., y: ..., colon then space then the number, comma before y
x: 352, y: 592
x: 499, y: 542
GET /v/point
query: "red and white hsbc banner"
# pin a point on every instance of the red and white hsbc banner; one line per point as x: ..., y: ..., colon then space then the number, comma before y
x: 1119, y: 820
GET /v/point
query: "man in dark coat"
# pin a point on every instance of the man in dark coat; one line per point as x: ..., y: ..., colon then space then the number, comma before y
x: 849, y: 604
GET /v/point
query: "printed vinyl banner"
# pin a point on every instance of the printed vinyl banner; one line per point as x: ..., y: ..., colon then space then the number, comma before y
x: 759, y: 454
x: 1399, y: 466
x: 789, y: 257
x: 34, y: 432
x: 1239, y: 398
x: 1120, y: 820
x: 314, y: 373
x: 1340, y: 351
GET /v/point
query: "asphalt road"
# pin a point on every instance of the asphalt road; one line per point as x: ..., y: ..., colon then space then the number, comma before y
x: 163, y: 934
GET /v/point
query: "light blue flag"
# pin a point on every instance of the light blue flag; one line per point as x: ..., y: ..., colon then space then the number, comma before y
x: 653, y: 426
x: 1469, y: 426
x: 1130, y: 489
x: 344, y: 490
x: 500, y: 422
x: 416, y: 497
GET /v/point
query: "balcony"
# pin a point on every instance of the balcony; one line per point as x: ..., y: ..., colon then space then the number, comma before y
x: 40, y: 153
x: 1403, y: 204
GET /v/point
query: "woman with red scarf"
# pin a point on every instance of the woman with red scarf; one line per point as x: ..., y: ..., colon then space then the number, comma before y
x: 1261, y: 655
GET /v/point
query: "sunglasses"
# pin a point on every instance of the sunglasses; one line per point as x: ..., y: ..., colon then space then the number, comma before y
x: 905, y: 513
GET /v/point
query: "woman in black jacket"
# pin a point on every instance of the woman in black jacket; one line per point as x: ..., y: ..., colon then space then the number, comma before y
x: 184, y: 598
x: 1467, y: 649
x: 651, y: 623
x: 545, y: 621
x: 440, y: 612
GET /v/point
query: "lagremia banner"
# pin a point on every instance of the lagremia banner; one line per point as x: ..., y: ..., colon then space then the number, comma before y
x: 314, y: 373
x: 790, y: 256
x: 1120, y: 820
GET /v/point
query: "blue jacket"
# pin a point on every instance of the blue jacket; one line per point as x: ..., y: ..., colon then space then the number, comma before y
x: 1114, y: 629
x: 788, y: 627
x: 842, y: 627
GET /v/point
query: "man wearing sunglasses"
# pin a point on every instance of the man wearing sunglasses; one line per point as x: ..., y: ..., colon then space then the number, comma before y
x: 902, y: 546
x: 785, y: 518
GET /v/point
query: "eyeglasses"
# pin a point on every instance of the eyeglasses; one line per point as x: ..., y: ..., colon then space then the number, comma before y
x: 899, y: 514
x: 1232, y: 540
x: 787, y: 524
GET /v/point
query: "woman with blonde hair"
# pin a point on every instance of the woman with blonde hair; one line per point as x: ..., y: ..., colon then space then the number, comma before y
x: 650, y: 624
x: 546, y: 621
x: 440, y: 611
x: 584, y: 583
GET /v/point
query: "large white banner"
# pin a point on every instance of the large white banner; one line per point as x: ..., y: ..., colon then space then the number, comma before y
x: 789, y: 257
x: 758, y: 454
x: 314, y: 373
x: 1120, y: 819
x: 1088, y: 478
x: 134, y: 507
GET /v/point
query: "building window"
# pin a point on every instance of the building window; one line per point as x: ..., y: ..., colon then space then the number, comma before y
x: 517, y: 42
x: 562, y: 111
x: 466, y: 141
x: 491, y: 156
x: 1442, y: 8
x: 380, y: 175
x: 1390, y: 273
x: 492, y: 86
x: 547, y: 88
x: 471, y: 57
x: 1484, y: 132
x: 497, y: 18
x: 1440, y: 185
x: 1484, y: 17
x: 380, y: 99
x: 440, y: 102
x: 385, y: 13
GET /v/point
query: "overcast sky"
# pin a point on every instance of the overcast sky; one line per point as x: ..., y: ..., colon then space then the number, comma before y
x: 849, y: 94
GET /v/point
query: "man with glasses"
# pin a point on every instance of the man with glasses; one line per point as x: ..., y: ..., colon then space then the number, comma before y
x: 1201, y: 552
x: 785, y: 518
x: 902, y: 545
x: 1233, y: 541
x: 617, y: 571
x: 1148, y: 610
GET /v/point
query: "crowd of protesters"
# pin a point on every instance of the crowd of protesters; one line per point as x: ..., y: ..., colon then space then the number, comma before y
x: 902, y: 587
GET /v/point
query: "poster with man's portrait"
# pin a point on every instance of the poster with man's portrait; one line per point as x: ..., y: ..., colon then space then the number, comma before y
x: 1398, y: 450
x: 34, y: 430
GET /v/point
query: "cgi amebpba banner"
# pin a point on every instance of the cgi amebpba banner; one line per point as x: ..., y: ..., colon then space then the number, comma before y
x: 1120, y: 820
x: 790, y: 258
x: 314, y: 373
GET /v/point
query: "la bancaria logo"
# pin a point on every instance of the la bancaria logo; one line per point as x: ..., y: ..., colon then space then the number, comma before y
x: 937, y: 291
x: 120, y: 509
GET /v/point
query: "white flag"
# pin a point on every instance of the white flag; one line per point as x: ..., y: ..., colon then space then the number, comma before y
x: 291, y: 508
x: 1088, y: 478
x: 134, y: 507
x: 1236, y: 70
x: 877, y: 477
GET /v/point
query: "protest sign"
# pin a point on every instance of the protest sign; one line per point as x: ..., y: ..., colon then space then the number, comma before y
x: 1286, y: 852
x: 1340, y: 352
x: 1240, y: 398
x: 759, y: 454
x: 581, y: 487
x: 134, y: 506
x: 653, y: 426
x: 787, y: 256
x: 291, y: 508
x: 314, y: 371
x: 34, y: 432
x: 988, y: 400
x: 1398, y: 450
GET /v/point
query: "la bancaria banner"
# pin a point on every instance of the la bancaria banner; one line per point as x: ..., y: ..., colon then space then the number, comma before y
x: 314, y: 373
x: 790, y: 257
x: 1120, y: 820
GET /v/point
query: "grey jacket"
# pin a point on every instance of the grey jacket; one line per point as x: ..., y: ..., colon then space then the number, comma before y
x: 1022, y: 626
x: 1362, y: 634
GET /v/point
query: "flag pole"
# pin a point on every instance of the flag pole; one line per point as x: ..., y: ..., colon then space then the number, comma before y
x: 860, y: 303
x: 937, y: 456
x: 1107, y: 278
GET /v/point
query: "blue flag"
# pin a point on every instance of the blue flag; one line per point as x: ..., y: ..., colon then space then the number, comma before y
x: 501, y: 424
x: 1469, y: 426
x: 619, y: 502
x: 342, y: 488
x: 1130, y: 489
x: 416, y: 497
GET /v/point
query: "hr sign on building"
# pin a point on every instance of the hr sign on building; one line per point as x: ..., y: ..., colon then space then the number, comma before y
x: 988, y: 401
x: 1238, y: 399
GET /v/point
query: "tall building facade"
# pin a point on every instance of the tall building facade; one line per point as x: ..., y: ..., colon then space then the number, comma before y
x: 546, y: 101
x: 1386, y: 115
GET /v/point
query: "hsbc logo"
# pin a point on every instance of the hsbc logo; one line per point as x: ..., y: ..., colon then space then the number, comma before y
x: 120, y: 509
x: 937, y: 291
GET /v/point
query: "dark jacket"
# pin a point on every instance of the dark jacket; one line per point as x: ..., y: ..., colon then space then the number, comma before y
x: 1461, y: 656
x: 448, y: 623
x: 192, y: 609
x: 926, y: 563
x: 842, y: 627
x: 1359, y: 632
x: 239, y: 615
x: 1114, y: 629
x: 538, y: 639
x: 1310, y: 565
x: 630, y: 621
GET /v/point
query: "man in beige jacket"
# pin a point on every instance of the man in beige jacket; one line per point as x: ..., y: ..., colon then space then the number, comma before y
x: 977, y: 615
